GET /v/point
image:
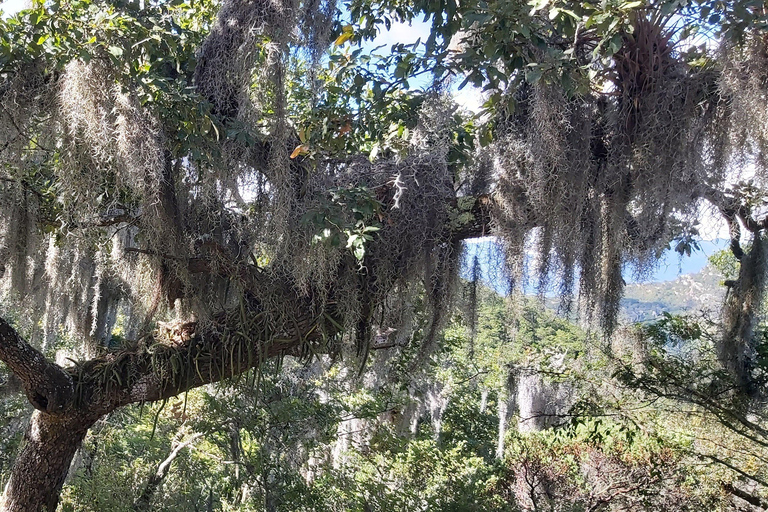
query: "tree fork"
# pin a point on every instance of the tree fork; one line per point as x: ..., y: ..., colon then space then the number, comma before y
x: 69, y: 401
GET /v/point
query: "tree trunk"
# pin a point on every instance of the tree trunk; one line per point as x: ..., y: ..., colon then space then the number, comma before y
x: 69, y: 401
x: 38, y: 474
x: 740, y: 314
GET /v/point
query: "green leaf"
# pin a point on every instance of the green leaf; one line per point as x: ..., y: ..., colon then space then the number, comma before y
x: 532, y: 76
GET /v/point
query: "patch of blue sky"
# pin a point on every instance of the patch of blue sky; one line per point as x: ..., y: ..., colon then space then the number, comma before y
x: 418, y: 31
x: 490, y: 257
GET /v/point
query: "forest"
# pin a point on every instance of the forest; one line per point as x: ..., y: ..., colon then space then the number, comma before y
x: 234, y: 271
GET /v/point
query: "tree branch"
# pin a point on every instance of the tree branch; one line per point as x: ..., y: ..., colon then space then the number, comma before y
x: 753, y: 500
x: 234, y: 342
x: 162, y: 471
x: 47, y: 386
x: 189, y: 355
x: 734, y: 211
x: 473, y: 217
x: 729, y: 209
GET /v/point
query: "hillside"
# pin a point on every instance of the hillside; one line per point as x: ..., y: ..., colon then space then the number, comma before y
x: 700, y: 291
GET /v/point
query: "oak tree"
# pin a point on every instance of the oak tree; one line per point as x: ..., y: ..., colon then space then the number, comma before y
x: 237, y: 181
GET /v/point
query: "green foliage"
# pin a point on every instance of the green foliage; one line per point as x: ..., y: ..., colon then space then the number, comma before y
x: 496, y: 45
x: 246, y: 458
x: 679, y: 370
x: 465, y: 423
x: 599, y: 462
x: 274, y: 446
x: 152, y: 50
x: 725, y: 263
x: 674, y: 330
x: 417, y: 476
x: 335, y: 226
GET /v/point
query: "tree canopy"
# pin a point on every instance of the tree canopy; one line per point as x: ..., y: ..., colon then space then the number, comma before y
x: 230, y: 182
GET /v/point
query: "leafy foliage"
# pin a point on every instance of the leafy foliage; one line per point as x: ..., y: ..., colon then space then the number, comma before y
x: 248, y: 169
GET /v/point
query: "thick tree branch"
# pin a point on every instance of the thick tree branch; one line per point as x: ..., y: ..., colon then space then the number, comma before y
x: 162, y: 366
x: 190, y: 355
x: 48, y: 387
x: 735, y: 212
x: 473, y: 217
x: 753, y: 500
x: 233, y: 343
x: 728, y: 207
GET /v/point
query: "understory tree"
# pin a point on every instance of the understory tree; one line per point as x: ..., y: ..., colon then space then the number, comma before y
x: 223, y: 184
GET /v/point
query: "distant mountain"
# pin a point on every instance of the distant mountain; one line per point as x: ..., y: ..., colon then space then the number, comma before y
x: 688, y: 293
x: 679, y: 284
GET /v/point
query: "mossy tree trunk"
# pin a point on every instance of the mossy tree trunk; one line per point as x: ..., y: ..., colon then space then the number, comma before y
x: 742, y: 306
x: 71, y: 400
x: 744, y: 300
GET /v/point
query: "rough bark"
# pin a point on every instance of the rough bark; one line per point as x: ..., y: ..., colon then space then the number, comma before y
x: 47, y: 386
x: 753, y: 500
x: 744, y: 299
x: 71, y: 400
x: 740, y: 313
x: 42, y: 465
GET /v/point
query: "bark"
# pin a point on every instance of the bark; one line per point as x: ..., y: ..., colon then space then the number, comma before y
x: 753, y: 500
x: 47, y: 386
x: 42, y: 465
x: 224, y: 349
x: 740, y: 314
x: 744, y: 299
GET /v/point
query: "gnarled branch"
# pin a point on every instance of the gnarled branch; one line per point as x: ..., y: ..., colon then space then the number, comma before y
x: 48, y: 387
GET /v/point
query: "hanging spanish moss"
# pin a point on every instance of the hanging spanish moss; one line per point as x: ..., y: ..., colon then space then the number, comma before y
x: 127, y: 218
x: 744, y: 86
x: 606, y: 180
x: 105, y: 216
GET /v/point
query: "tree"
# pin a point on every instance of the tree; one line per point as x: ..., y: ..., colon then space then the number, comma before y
x: 207, y: 165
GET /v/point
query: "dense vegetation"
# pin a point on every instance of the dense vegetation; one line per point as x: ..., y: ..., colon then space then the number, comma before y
x: 230, y: 238
x: 528, y: 413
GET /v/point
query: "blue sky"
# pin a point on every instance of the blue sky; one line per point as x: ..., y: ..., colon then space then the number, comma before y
x: 671, y: 265
x: 469, y: 97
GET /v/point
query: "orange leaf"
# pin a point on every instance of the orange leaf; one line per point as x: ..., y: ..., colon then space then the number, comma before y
x: 301, y: 149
